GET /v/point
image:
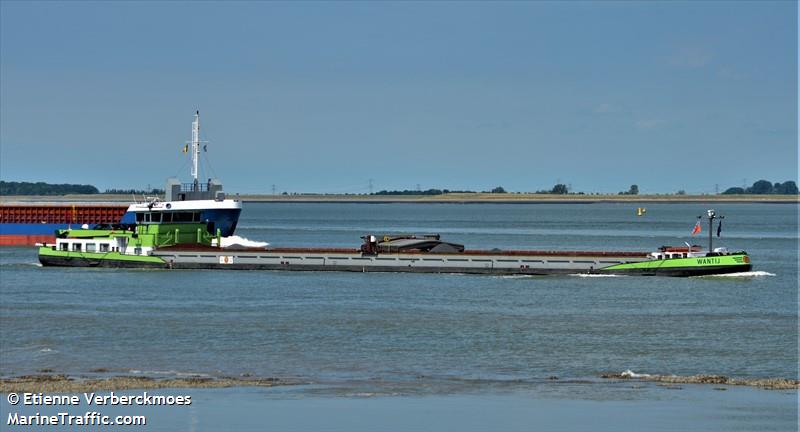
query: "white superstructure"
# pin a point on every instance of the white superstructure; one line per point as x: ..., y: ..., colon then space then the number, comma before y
x: 194, y: 205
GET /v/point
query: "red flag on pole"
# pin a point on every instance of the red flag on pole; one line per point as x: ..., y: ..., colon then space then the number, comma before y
x: 697, y: 229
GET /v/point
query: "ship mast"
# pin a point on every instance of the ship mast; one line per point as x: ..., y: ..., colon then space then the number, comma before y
x: 195, y: 149
x: 712, y: 214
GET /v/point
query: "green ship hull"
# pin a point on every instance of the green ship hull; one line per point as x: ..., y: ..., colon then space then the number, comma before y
x: 56, y: 258
x: 694, y: 266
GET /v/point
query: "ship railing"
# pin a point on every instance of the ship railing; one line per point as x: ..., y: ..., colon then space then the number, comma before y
x: 191, y: 187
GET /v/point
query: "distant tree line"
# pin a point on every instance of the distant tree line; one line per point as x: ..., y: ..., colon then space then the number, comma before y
x: 418, y: 192
x: 42, y: 188
x: 153, y: 191
x: 763, y: 187
x: 633, y: 190
x: 498, y: 190
x: 559, y: 189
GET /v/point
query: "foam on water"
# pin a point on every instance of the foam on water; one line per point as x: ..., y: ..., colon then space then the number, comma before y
x: 744, y: 274
x: 21, y: 264
x: 594, y: 275
x: 241, y: 241
x: 172, y: 373
x: 631, y: 374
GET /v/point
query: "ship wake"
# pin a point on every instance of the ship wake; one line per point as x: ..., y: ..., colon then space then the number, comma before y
x: 241, y: 241
x: 749, y: 274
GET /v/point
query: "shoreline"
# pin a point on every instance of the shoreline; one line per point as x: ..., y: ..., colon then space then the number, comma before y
x: 762, y: 383
x: 623, y: 408
x: 454, y: 198
x: 61, y: 383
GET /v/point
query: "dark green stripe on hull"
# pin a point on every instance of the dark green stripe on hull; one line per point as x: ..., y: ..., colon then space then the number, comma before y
x: 56, y: 261
x: 683, y: 271
x: 691, y: 266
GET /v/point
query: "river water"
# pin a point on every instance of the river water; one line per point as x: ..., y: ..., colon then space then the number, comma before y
x: 423, y: 334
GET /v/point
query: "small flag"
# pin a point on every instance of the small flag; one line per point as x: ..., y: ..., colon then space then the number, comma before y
x: 719, y: 228
x: 697, y: 228
x: 186, y: 148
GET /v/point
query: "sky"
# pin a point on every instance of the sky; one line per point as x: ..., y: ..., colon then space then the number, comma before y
x: 324, y: 97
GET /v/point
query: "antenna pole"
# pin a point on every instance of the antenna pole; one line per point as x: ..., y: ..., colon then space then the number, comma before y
x: 195, y: 147
x: 711, y: 216
x: 710, y: 229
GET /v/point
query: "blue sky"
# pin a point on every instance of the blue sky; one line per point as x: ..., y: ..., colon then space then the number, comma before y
x: 325, y: 96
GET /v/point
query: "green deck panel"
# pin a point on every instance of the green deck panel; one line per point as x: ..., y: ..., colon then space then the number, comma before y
x: 148, y: 235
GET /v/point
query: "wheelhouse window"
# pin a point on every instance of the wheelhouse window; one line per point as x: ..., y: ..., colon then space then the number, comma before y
x: 76, y: 247
x: 148, y: 217
x: 91, y: 247
x: 64, y: 246
x: 104, y: 247
x: 185, y: 217
x: 168, y: 217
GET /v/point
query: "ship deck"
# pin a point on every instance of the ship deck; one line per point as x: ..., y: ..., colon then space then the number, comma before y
x: 527, y: 262
x: 476, y: 252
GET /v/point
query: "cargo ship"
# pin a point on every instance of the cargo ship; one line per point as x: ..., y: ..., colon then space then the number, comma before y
x: 28, y: 224
x: 176, y: 243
